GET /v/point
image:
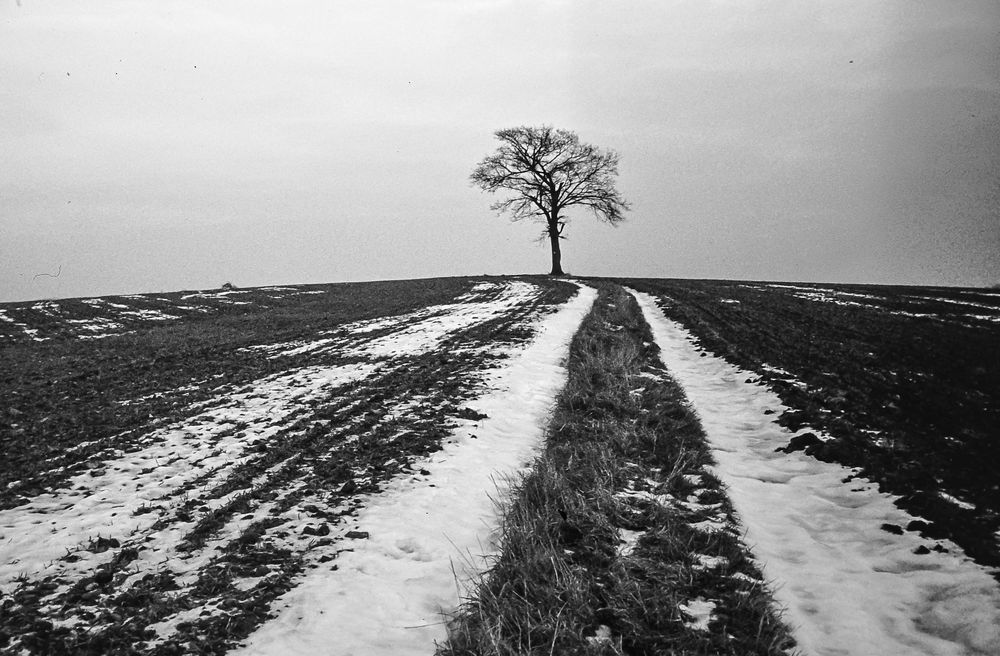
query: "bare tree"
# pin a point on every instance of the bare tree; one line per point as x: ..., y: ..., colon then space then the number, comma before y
x: 549, y: 170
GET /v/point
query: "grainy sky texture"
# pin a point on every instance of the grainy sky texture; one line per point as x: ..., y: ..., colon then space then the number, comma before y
x: 168, y: 145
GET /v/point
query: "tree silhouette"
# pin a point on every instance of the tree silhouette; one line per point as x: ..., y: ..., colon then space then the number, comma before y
x: 549, y: 170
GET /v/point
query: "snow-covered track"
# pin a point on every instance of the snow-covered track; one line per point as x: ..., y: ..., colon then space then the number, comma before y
x: 849, y: 586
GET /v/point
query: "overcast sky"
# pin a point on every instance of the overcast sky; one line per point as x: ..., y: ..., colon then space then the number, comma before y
x: 177, y: 145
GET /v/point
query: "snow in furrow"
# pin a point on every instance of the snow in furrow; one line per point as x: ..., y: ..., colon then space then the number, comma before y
x: 214, y: 295
x: 387, y: 596
x: 952, y: 301
x: 849, y: 587
x: 103, y: 502
x: 123, y: 497
x: 30, y: 332
x: 421, y: 330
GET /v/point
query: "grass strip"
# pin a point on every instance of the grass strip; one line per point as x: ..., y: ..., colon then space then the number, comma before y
x: 619, y: 541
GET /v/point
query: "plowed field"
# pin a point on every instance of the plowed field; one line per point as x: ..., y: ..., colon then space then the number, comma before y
x: 164, y: 485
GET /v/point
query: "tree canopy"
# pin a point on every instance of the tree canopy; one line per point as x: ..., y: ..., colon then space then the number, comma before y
x: 548, y: 170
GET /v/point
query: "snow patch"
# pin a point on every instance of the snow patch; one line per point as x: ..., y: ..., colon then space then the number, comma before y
x: 706, y: 561
x: 602, y: 636
x: 984, y: 317
x: 776, y: 370
x: 709, y: 525
x: 953, y: 301
x: 628, y: 540
x: 965, y: 505
x: 30, y: 332
x: 147, y: 315
x: 700, y: 611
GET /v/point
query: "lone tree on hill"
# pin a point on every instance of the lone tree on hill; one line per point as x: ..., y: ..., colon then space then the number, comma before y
x: 549, y: 170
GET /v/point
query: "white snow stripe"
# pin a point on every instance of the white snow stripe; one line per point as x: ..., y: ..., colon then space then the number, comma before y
x: 849, y: 587
x: 425, y: 328
x: 387, y: 596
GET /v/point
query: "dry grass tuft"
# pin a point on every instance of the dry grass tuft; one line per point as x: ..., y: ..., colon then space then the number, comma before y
x: 605, y: 540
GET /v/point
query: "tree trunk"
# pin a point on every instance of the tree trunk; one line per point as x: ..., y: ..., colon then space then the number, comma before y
x: 556, y: 254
